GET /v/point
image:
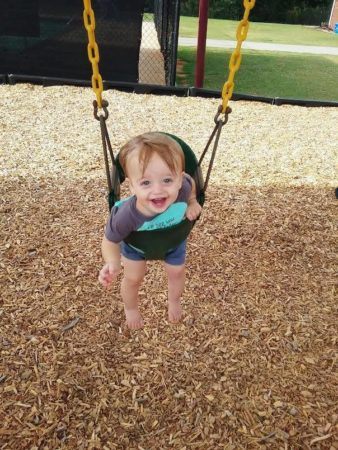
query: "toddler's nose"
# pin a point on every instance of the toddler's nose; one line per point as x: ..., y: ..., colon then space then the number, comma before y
x: 157, y: 188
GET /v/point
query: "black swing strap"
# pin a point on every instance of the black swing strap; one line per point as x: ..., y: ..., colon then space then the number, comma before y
x: 214, y: 137
x: 105, y: 138
x: 112, y: 175
x: 113, y: 180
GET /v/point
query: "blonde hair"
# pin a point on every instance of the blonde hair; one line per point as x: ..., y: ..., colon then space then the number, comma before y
x: 147, y: 145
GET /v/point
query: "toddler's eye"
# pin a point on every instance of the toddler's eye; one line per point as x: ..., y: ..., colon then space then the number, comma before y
x: 167, y: 180
x: 145, y: 183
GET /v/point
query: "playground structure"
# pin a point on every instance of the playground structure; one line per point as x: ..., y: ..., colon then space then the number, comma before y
x: 251, y: 365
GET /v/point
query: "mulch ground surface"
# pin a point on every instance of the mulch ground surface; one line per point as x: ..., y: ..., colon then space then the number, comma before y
x: 253, y: 363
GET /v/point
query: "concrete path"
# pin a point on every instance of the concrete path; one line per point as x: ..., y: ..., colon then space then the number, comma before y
x: 214, y: 43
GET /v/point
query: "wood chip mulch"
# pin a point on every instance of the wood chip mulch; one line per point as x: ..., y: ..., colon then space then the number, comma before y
x: 252, y: 365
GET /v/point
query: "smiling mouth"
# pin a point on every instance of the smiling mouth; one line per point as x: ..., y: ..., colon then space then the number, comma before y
x: 159, y: 202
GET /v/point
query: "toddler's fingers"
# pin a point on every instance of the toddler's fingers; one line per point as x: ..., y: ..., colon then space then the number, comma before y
x: 104, y: 279
x: 113, y: 272
x: 191, y: 215
x: 106, y: 283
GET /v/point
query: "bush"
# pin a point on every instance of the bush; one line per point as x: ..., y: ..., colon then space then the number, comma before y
x: 314, y: 16
x: 218, y: 9
x: 305, y: 12
x: 293, y: 15
x: 306, y: 16
x: 189, y: 8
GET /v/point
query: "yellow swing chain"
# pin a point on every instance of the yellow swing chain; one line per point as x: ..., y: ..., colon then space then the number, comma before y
x: 93, y: 50
x: 234, y: 64
x: 235, y: 60
x: 97, y: 85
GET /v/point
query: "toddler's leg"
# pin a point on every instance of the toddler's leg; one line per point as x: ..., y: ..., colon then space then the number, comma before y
x: 133, y: 275
x: 176, y: 279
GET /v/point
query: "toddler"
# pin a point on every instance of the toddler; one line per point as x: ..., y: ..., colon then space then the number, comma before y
x: 162, y: 193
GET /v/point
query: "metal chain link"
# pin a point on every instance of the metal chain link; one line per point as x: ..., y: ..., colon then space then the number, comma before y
x: 235, y: 60
x: 93, y: 50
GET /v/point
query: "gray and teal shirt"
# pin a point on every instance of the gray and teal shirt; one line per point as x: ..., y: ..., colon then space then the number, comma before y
x: 125, y: 218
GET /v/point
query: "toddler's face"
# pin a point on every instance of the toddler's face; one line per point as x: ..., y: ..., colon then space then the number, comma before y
x: 155, y: 189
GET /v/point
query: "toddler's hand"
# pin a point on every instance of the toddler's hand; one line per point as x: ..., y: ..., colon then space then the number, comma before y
x: 109, y: 273
x: 194, y: 210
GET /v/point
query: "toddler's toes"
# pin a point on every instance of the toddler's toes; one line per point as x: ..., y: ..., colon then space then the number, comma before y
x: 174, y: 312
x: 134, y: 319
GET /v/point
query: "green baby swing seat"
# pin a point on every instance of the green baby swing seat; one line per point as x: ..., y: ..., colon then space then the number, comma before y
x: 156, y: 243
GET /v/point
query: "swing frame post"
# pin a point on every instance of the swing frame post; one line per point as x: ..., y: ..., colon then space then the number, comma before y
x: 201, y: 42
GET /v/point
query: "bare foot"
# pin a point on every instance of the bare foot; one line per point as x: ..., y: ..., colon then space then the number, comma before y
x: 134, y: 319
x: 174, y: 311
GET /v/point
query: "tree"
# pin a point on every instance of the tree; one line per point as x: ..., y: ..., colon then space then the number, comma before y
x: 310, y: 12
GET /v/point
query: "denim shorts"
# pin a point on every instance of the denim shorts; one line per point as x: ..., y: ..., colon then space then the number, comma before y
x: 175, y: 257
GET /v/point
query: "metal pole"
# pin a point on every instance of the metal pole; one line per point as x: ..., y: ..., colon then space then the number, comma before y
x: 201, y: 42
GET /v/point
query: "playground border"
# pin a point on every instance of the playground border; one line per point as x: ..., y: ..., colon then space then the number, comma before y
x: 155, y: 89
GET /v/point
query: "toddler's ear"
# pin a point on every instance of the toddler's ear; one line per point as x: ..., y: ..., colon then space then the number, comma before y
x: 182, y: 176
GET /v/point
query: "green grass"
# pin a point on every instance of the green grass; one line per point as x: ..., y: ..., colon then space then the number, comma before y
x: 271, y: 74
x: 261, y: 32
x: 287, y: 75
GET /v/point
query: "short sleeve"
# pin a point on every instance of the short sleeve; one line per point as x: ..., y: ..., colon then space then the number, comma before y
x: 119, y: 224
x: 185, y: 191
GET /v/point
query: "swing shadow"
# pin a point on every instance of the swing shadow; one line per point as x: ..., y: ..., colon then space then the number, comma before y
x: 258, y: 300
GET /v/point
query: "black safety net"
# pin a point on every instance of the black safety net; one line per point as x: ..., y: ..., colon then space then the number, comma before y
x: 166, y: 19
x: 47, y: 38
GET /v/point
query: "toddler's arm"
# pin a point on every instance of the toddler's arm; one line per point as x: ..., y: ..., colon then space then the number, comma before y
x: 112, y: 257
x: 194, y: 208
